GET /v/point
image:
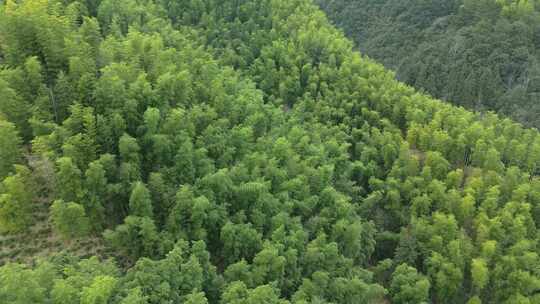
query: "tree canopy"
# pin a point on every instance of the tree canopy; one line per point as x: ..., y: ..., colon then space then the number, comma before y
x: 482, y: 55
x: 243, y: 152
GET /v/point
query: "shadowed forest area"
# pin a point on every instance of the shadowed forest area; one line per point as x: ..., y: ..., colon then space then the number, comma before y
x: 480, y: 54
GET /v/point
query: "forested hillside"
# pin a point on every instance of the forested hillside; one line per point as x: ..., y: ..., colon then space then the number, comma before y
x: 240, y: 151
x: 483, y: 55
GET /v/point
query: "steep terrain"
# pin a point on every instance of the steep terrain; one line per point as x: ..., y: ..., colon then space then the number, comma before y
x: 241, y: 152
x: 479, y: 54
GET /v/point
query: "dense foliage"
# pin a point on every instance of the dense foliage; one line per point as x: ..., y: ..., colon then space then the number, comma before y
x: 483, y: 55
x: 241, y: 152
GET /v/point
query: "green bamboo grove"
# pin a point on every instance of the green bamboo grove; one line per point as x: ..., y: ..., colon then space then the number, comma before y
x: 210, y: 151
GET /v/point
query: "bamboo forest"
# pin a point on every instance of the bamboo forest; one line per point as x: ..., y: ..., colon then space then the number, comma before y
x: 269, y: 151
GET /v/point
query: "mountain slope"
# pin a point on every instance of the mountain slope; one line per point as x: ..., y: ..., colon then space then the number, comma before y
x: 242, y: 152
x: 479, y: 54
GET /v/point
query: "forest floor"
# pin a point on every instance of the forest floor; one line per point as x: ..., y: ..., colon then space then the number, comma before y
x: 40, y: 241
